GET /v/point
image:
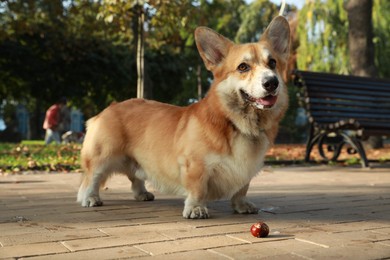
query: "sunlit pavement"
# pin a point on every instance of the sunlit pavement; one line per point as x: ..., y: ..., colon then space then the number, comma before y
x: 314, y: 212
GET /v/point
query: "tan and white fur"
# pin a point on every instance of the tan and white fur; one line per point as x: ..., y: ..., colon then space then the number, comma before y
x: 207, y: 151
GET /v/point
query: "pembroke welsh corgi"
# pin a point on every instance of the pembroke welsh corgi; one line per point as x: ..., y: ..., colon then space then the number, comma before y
x: 208, y: 150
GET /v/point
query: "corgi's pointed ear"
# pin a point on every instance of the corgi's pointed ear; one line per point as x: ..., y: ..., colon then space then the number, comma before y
x: 278, y: 35
x: 212, y: 46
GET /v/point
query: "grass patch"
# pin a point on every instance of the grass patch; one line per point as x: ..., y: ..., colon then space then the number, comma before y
x: 34, y: 155
x: 32, y: 142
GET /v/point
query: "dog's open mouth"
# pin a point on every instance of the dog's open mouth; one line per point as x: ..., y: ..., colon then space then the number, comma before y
x: 260, y: 103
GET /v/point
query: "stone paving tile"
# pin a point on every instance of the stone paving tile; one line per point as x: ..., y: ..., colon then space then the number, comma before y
x: 359, y: 251
x: 180, y: 233
x: 330, y: 239
x: 284, y: 249
x: 132, y: 238
x: 124, y: 252
x: 82, y: 224
x: 190, y: 244
x: 39, y: 237
x: 384, y: 243
x: 32, y: 250
x: 150, y: 228
x: 336, y: 203
x: 362, y: 226
x: 192, y: 255
x: 383, y: 230
x: 20, y: 228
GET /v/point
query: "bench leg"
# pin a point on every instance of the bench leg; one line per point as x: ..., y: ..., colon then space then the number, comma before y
x: 319, y: 138
x: 358, y: 146
x: 311, y: 141
x: 337, y: 148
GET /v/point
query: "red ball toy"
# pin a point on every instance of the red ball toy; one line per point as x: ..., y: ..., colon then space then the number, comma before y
x: 260, y: 229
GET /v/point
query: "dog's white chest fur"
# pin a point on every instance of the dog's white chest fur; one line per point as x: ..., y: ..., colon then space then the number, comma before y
x: 229, y: 173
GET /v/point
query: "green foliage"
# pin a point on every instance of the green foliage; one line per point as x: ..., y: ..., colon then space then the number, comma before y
x: 323, y: 37
x: 255, y: 19
x: 381, y: 21
x: 46, y: 54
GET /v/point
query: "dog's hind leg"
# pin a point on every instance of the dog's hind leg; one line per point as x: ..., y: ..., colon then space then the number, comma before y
x: 88, y: 194
x: 94, y: 178
x: 137, y: 176
x: 241, y: 204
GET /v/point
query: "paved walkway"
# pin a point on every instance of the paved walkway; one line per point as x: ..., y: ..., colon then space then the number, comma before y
x: 316, y: 212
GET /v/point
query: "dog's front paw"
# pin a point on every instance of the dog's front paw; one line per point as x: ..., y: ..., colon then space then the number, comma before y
x: 196, y: 212
x: 245, y: 207
x: 92, y: 201
x: 145, y: 196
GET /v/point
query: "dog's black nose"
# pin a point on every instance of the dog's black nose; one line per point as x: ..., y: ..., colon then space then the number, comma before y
x: 270, y: 83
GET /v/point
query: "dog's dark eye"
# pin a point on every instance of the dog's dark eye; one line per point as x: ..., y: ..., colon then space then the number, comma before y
x: 272, y: 64
x: 243, y: 67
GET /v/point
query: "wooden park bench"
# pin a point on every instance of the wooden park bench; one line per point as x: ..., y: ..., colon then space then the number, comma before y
x: 343, y: 110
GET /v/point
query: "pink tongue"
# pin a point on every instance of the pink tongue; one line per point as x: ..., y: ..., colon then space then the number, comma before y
x: 267, y: 101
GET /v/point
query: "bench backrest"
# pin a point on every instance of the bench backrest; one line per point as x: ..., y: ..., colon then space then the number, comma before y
x: 357, y: 101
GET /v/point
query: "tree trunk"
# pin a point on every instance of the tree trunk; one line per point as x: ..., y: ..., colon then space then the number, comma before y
x: 140, y: 51
x: 361, y: 46
x: 360, y: 34
x: 199, y: 80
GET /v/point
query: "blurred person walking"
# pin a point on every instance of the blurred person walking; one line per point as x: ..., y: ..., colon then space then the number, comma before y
x: 52, y: 122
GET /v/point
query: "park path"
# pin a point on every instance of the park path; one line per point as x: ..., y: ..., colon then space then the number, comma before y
x: 314, y: 212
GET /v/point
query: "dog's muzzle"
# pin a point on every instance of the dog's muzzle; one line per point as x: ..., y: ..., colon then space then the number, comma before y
x: 260, y: 103
x: 270, y: 84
